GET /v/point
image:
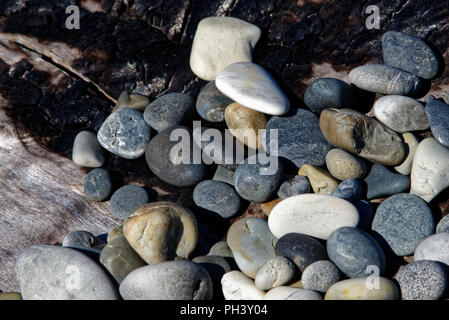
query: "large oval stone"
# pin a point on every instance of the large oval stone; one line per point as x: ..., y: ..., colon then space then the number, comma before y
x: 363, y: 289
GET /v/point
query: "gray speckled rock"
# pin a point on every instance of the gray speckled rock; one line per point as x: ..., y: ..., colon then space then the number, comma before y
x: 301, y: 249
x: 297, y: 185
x: 221, y: 248
x: 423, y: 280
x: 344, y: 165
x: 125, y: 133
x: 126, y: 199
x: 83, y: 240
x: 218, y: 197
x: 276, y: 272
x: 86, y: 150
x: 353, y: 250
x: 409, y: 53
x: 443, y: 225
x: 320, y: 276
x: 168, y: 111
x: 435, y: 248
x: 350, y: 190
x: 384, y: 79
x: 403, y: 221
x: 56, y: 273
x: 438, y: 115
x: 174, y: 172
x: 170, y: 280
x: 224, y: 174
x: 366, y: 213
x: 257, y: 182
x: 382, y: 182
x: 211, y: 103
x: 299, y: 138
x: 97, y: 185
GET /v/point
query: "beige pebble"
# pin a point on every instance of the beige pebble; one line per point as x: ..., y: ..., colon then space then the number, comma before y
x: 368, y: 288
x: 412, y: 144
x: 321, y: 181
x: 117, y: 232
x: 344, y: 165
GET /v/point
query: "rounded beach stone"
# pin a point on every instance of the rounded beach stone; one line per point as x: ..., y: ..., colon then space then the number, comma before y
x: 245, y: 124
x: 438, y: 114
x: 115, y: 233
x: 344, y: 165
x: 289, y: 293
x: 322, y: 182
x: 297, y: 185
x: 384, y: 79
x: 126, y: 199
x: 164, y: 159
x: 83, y: 240
x: 320, y: 275
x: 301, y: 249
x: 86, y: 150
x: 161, y: 231
x: 423, y: 280
x: 430, y: 169
x: 170, y: 280
x: 125, y: 133
x: 211, y: 103
x: 354, y: 250
x: 47, y: 272
x: 237, y: 286
x: 403, y: 221
x: 409, y: 53
x: 363, y: 289
x: 354, y: 132
x: 276, y: 272
x: 381, y: 182
x: 315, y: 215
x: 221, y: 248
x: 97, y: 185
x: 258, y: 182
x: 133, y: 101
x: 325, y: 93
x: 443, y: 225
x: 252, y: 244
x: 435, y: 248
x: 220, y: 41
x: 350, y: 190
x: 168, y: 111
x: 412, y: 144
x: 253, y: 87
x: 218, y: 197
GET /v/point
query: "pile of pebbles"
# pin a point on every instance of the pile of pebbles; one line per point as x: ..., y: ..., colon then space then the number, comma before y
x: 325, y: 237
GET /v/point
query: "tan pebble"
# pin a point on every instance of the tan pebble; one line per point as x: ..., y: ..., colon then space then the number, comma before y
x: 344, y: 165
x: 268, y: 206
x: 412, y: 144
x: 133, y: 101
x: 117, y: 232
x: 363, y: 289
x: 321, y: 181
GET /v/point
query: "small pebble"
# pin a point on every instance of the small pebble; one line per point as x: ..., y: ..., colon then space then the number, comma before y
x: 412, y: 143
x: 363, y: 289
x: 289, y: 293
x: 237, y: 286
x: 217, y: 197
x: 97, y: 185
x: 350, y: 190
x: 133, y: 101
x: 86, y: 150
x: 211, y: 103
x: 126, y: 199
x: 443, y: 225
x: 344, y: 165
x: 435, y: 248
x: 297, y: 185
x: 438, y: 115
x: 321, y: 181
x: 320, y: 275
x: 115, y: 233
x: 381, y: 182
x: 276, y: 272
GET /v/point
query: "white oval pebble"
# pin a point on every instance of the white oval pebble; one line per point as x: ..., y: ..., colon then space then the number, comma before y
x: 237, y: 286
x: 290, y: 293
x: 435, y: 248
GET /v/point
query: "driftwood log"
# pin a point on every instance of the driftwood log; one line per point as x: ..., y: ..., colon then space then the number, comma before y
x: 55, y: 82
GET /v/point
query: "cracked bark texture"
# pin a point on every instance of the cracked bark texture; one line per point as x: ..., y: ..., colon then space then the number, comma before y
x: 56, y: 82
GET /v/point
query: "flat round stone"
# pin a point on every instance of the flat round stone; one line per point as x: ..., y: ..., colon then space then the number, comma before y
x: 315, y: 215
x: 321, y: 181
x: 125, y: 133
x: 211, y: 103
x: 97, y: 185
x: 86, y: 150
x: 290, y: 293
x: 320, y: 275
x: 382, y: 182
x: 443, y: 225
x: 412, y: 144
x: 218, y: 197
x: 403, y: 221
x: 353, y: 251
x: 237, y: 286
x: 435, y: 248
x: 126, y: 199
x: 170, y: 280
x: 168, y: 111
x: 293, y: 187
x: 344, y: 165
x: 350, y: 190
x: 363, y: 289
x: 438, y: 114
x: 276, y: 272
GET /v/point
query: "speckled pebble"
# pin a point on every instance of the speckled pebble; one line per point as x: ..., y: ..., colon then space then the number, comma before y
x: 217, y: 197
x: 320, y: 275
x: 97, y: 185
x: 126, y: 199
x: 344, y: 165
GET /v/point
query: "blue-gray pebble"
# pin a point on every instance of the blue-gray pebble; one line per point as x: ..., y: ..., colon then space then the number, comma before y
x: 349, y: 189
x: 97, y: 185
x: 297, y: 185
x: 211, y: 103
x: 443, y: 225
x: 126, y: 199
x: 438, y: 115
x: 381, y: 182
x: 218, y: 197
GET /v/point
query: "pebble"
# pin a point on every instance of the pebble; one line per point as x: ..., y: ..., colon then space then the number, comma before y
x: 412, y: 143
x: 224, y: 174
x: 268, y: 206
x: 381, y: 182
x: 125, y: 133
x: 127, y: 199
x: 83, y: 240
x: 354, y: 132
x: 237, y: 286
x: 168, y: 111
x: 401, y: 113
x: 120, y: 259
x: 115, y: 233
x: 403, y: 221
x: 158, y: 157
x: 384, y: 79
x: 443, y: 225
x: 350, y: 190
x: 211, y: 103
x: 344, y: 165
x: 322, y: 181
x: 276, y: 272
x: 298, y: 138
x: 289, y: 293
x: 438, y: 114
x: 218, y: 197
x: 430, y: 169
x: 354, y: 250
x: 409, y: 53
x: 170, y: 280
x: 258, y: 182
x: 297, y: 185
x: 330, y: 93
x: 245, y: 124
x: 301, y: 249
x: 252, y: 244
x: 47, y: 272
x: 320, y: 275
x: 134, y: 101
x: 97, y: 185
x: 435, y: 248
x: 86, y: 150
x: 221, y: 249
x: 423, y: 280
x: 315, y: 215
x: 253, y: 87
x: 363, y: 289
x: 219, y: 42
x: 161, y: 231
